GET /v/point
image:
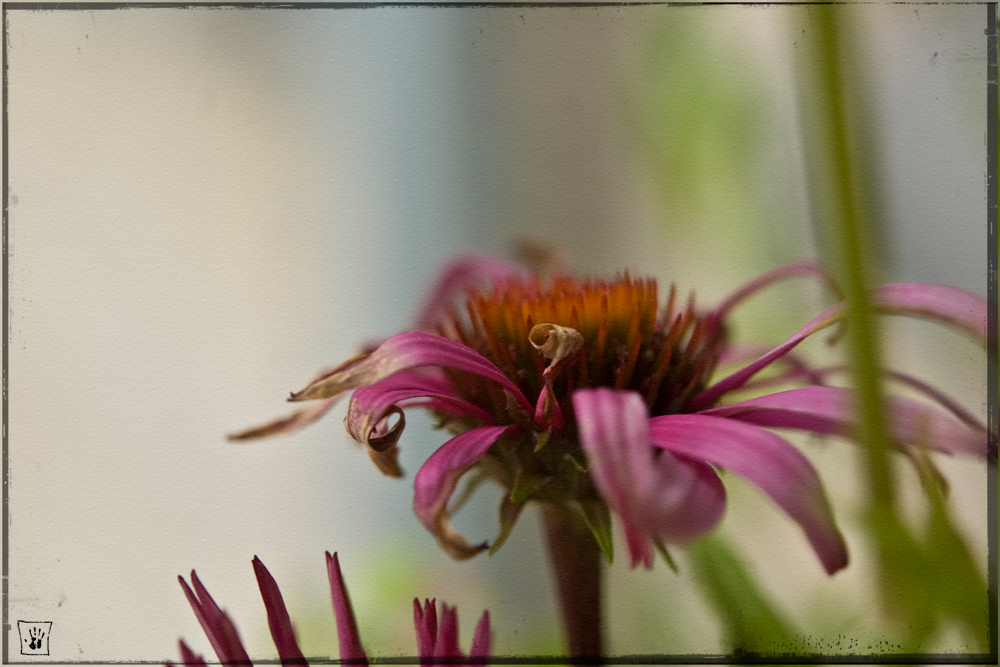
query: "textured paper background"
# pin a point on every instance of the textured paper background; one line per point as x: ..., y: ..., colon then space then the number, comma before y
x: 206, y: 206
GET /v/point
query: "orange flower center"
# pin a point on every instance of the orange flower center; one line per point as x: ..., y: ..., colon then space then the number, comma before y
x: 630, y: 341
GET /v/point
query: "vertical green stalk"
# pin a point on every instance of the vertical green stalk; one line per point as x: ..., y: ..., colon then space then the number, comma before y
x: 848, y: 229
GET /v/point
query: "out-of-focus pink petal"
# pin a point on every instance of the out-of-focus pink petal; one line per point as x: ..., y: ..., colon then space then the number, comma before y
x: 769, y: 278
x: 425, y: 621
x: 795, y: 368
x: 947, y: 305
x: 765, y: 459
x: 370, y: 404
x: 446, y: 645
x: 218, y: 627
x: 347, y: 627
x: 938, y: 397
x: 190, y: 658
x: 411, y: 349
x: 481, y: 640
x: 709, y: 396
x: 458, y: 277
x: 830, y: 410
x: 436, y: 480
x: 277, y: 617
x: 654, y: 493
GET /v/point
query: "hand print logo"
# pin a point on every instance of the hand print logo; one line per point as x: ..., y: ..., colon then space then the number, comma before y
x: 34, y: 637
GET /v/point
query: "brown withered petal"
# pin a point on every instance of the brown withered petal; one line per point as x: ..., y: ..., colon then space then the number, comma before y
x: 288, y: 424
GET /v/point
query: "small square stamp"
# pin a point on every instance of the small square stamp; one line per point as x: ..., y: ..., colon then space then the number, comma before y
x: 34, y: 637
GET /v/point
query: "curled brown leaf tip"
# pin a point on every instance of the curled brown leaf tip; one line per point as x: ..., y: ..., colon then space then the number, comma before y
x: 555, y: 342
x: 286, y: 425
x: 386, y: 460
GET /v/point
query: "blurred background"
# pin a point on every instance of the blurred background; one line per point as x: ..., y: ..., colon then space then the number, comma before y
x: 207, y: 205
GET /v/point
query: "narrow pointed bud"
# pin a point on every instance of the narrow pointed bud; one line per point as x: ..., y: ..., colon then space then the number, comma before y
x: 347, y: 627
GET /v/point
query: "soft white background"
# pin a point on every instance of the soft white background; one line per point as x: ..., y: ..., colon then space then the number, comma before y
x: 206, y: 206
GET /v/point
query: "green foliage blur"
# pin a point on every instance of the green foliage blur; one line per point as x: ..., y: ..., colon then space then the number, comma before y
x: 702, y: 117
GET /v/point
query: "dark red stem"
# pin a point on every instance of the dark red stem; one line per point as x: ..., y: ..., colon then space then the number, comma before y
x: 576, y: 564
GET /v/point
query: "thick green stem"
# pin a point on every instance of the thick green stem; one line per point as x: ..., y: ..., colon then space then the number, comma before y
x: 576, y: 563
x: 850, y: 229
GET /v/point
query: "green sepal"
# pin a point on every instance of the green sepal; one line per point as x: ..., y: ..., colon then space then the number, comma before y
x: 579, y: 466
x: 525, y: 485
x: 542, y: 439
x: 509, y: 512
x: 598, y: 519
x: 666, y: 556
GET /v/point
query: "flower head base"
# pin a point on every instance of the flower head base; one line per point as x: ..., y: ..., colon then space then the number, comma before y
x: 591, y: 394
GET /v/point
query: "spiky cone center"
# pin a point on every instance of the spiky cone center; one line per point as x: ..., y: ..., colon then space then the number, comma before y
x: 565, y: 334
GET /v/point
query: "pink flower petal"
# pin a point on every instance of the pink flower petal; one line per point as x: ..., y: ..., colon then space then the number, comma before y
x: 436, y: 480
x: 277, y: 617
x: 411, y: 349
x: 654, y: 494
x: 370, y: 404
x: 938, y: 397
x: 947, y: 305
x: 459, y: 276
x: 218, y: 627
x: 481, y: 640
x: 732, y: 382
x: 765, y: 459
x: 830, y: 410
x: 347, y: 627
x: 769, y: 278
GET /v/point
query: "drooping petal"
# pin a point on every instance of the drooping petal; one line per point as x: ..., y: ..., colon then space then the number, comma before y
x: 830, y: 410
x: 769, y: 278
x: 654, y: 493
x: 794, y: 367
x: 277, y: 617
x: 481, y: 640
x: 938, y: 397
x: 218, y: 627
x: 372, y: 403
x: 411, y: 349
x: 948, y: 305
x: 459, y: 276
x: 288, y: 424
x: 766, y: 460
x: 347, y: 627
x: 436, y: 480
x: 190, y: 658
x: 734, y: 381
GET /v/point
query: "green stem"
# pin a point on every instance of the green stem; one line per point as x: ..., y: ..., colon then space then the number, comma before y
x: 576, y: 564
x: 851, y: 232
